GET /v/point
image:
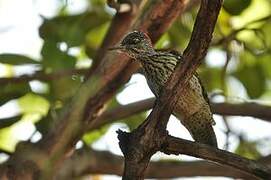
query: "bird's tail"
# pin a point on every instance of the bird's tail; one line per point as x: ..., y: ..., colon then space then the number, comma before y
x: 200, y: 127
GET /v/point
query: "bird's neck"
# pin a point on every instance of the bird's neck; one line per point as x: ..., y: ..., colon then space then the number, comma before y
x: 160, y: 64
x: 158, y: 67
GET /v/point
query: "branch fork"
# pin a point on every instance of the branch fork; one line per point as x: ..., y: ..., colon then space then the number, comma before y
x: 138, y: 148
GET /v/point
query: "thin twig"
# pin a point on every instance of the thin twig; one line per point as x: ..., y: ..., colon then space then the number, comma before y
x: 232, y: 35
x: 43, y: 76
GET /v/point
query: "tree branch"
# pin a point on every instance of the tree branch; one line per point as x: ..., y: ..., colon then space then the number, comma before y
x: 87, y: 161
x: 181, y: 146
x: 43, y: 76
x: 243, y: 109
x: 226, y: 109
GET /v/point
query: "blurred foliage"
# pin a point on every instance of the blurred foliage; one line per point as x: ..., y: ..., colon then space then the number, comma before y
x: 236, y: 7
x: 94, y: 135
x: 242, y: 33
x: 73, y: 29
x: 15, y: 59
x: 248, y: 149
x: 6, y: 122
x: 13, y: 91
x: 134, y: 121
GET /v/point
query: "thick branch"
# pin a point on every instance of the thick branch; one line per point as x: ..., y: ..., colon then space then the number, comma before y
x: 181, y: 146
x: 86, y: 161
x: 226, y: 109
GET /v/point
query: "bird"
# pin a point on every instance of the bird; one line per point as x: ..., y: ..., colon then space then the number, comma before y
x: 193, y: 107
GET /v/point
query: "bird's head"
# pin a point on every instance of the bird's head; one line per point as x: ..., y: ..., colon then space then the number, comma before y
x: 135, y: 44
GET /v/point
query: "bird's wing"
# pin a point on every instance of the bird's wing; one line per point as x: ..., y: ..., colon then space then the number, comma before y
x: 204, y: 92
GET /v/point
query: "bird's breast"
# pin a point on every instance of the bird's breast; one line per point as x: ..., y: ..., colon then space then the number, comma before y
x: 191, y: 100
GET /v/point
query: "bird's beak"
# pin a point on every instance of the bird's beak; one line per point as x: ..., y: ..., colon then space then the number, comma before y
x: 120, y: 48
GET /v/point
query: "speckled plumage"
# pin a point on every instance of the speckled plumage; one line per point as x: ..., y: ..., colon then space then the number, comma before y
x: 193, y: 108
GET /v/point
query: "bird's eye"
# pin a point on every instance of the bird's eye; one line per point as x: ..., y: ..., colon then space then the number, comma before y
x: 136, y: 40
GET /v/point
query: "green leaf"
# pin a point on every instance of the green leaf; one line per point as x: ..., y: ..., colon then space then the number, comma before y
x: 16, y: 59
x: 10, y: 136
x: 211, y: 78
x: 72, y: 29
x: 94, y: 38
x: 94, y: 135
x: 248, y: 150
x: 32, y: 103
x: 266, y: 30
x: 266, y: 65
x: 6, y: 122
x: 13, y: 91
x: 236, y: 7
x: 44, y: 124
x: 223, y: 25
x: 134, y: 121
x: 163, y: 42
x: 54, y: 59
x: 64, y: 88
x: 8, y: 139
x: 179, y: 34
x: 97, y: 3
x: 253, y: 79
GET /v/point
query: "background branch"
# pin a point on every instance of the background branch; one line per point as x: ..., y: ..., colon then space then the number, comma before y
x: 43, y: 76
x: 87, y: 161
x: 243, y: 109
x: 226, y: 109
